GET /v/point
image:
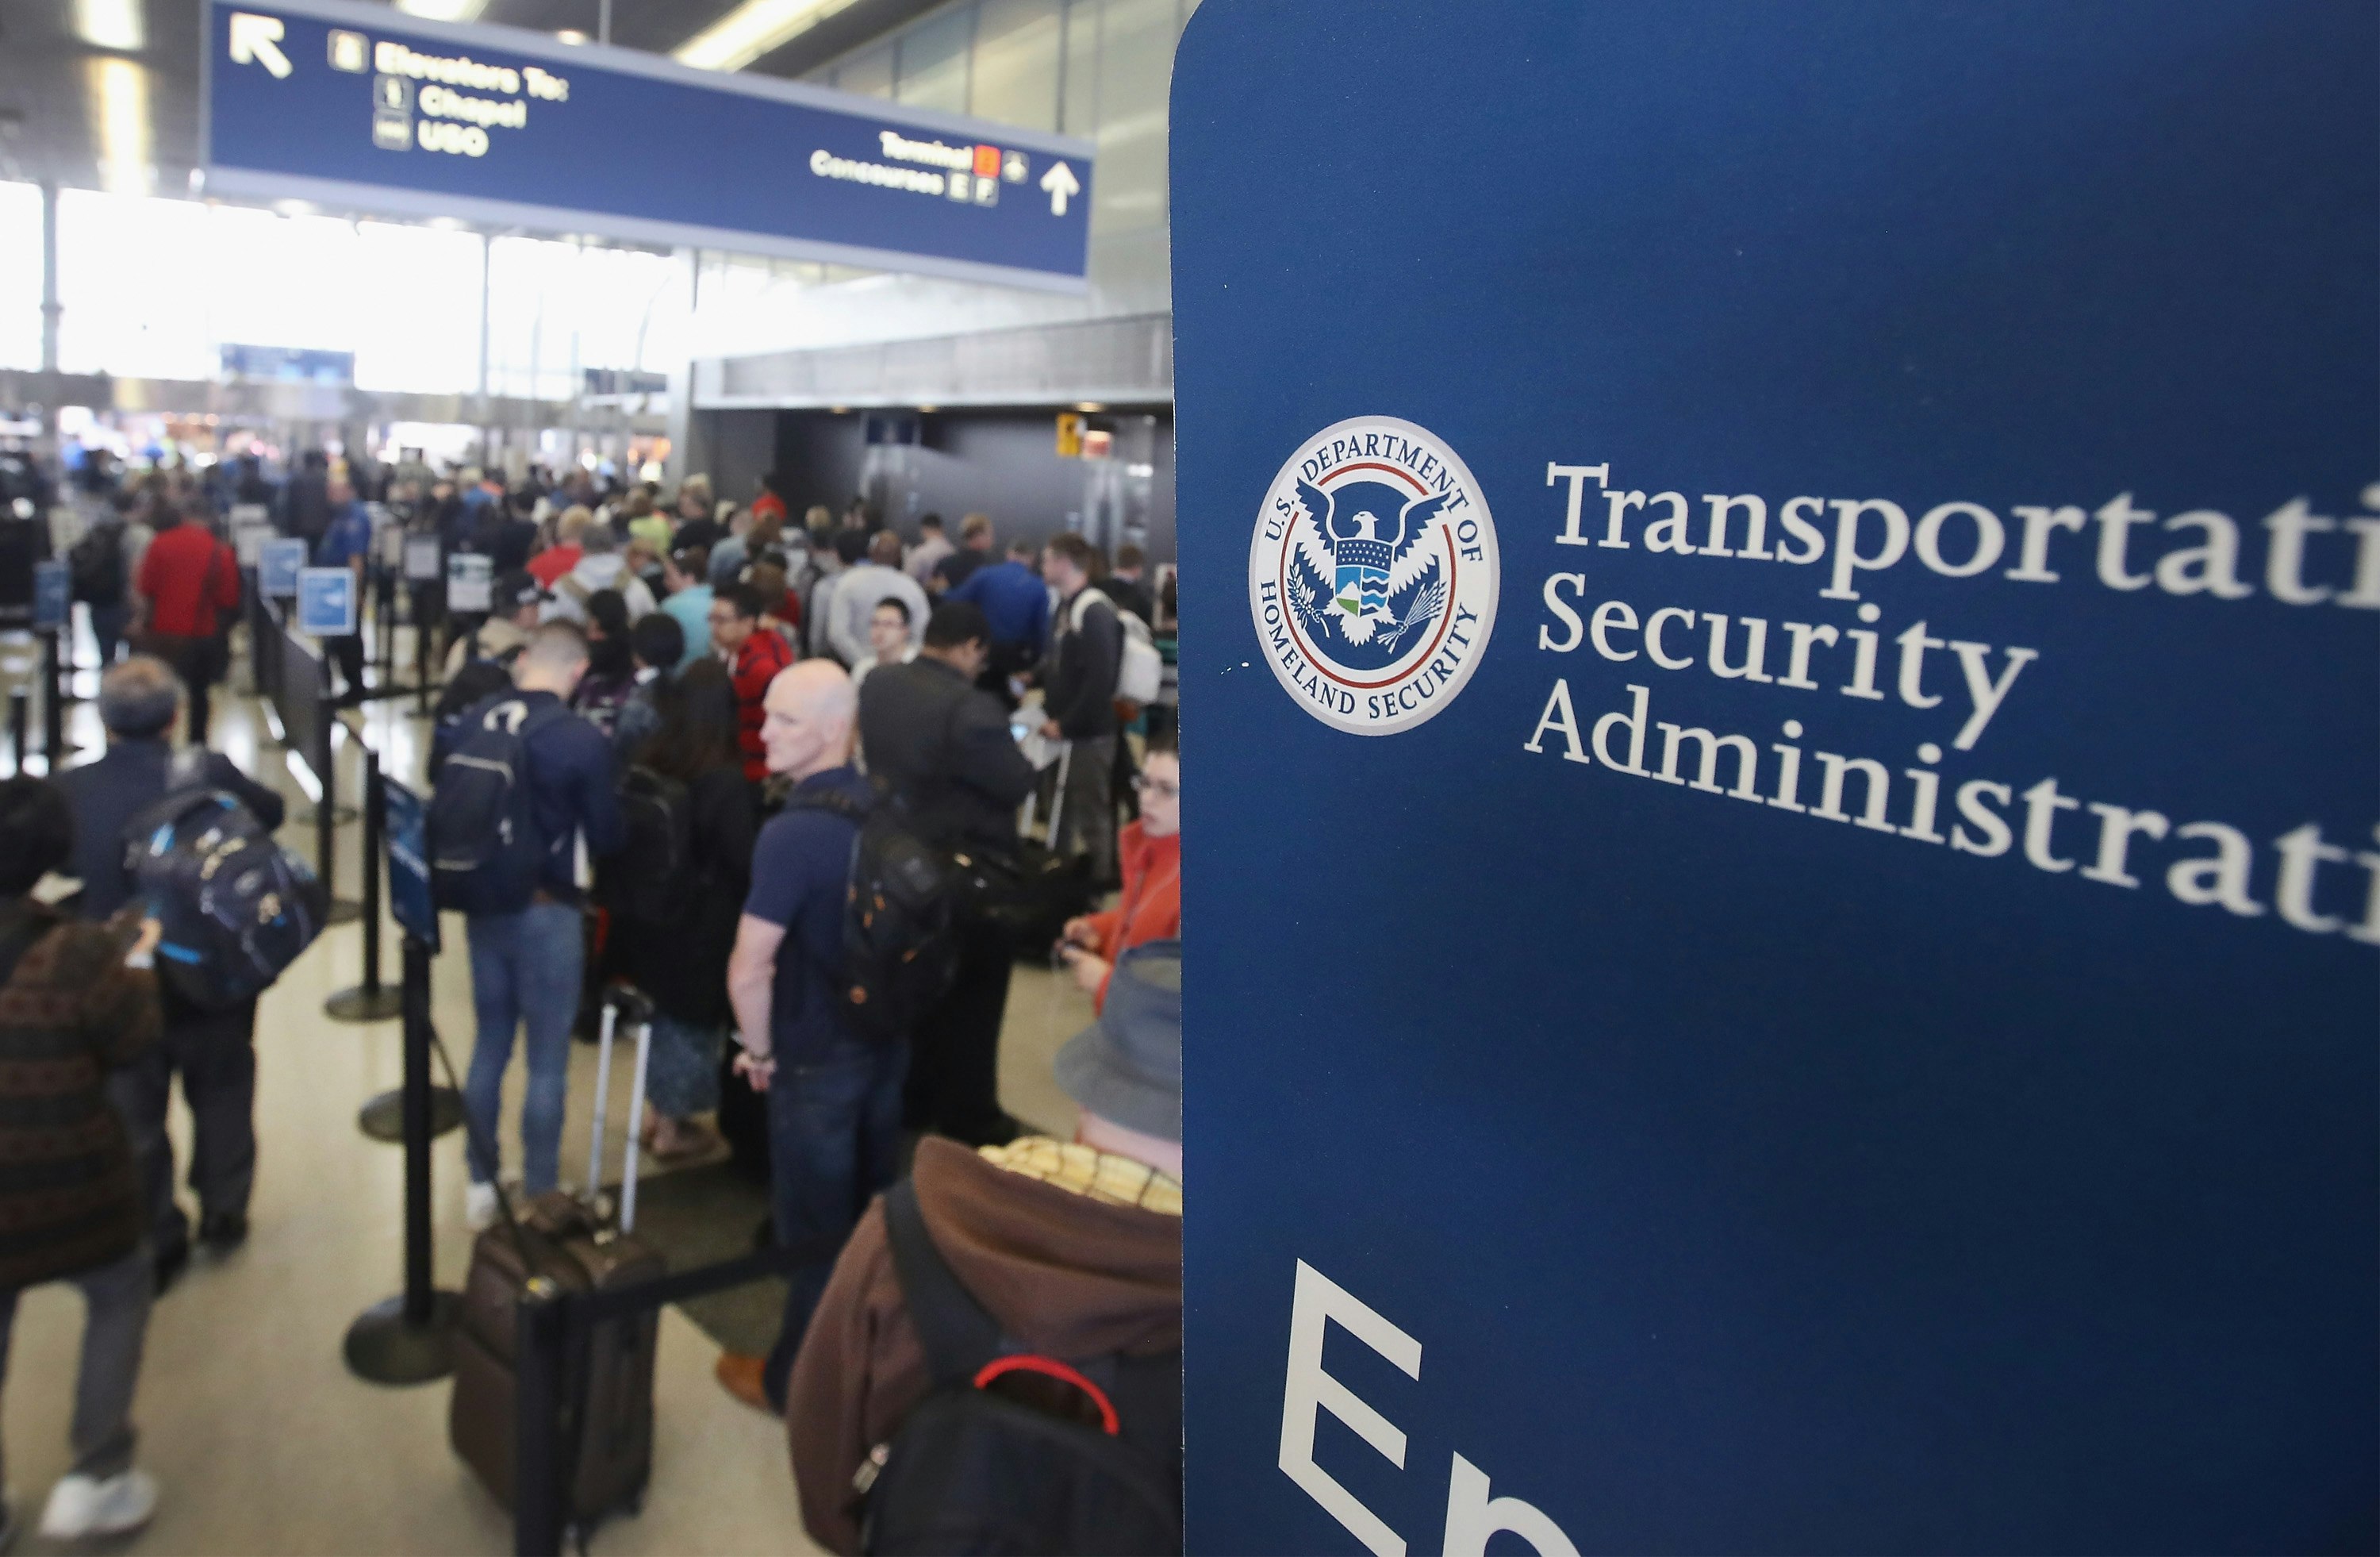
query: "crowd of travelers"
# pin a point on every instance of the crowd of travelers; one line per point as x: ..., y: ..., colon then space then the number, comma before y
x: 719, y: 710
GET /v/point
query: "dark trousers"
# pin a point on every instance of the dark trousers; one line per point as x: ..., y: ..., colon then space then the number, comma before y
x: 115, y: 1297
x: 1086, y: 823
x: 194, y: 660
x: 347, y: 653
x: 955, y: 1076
x: 834, y: 1137
x: 107, y: 626
x: 214, y: 1052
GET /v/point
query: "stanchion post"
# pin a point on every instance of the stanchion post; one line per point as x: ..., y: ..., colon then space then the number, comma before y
x: 421, y: 655
x: 407, y: 1339
x: 370, y: 1000
x: 327, y: 809
x: 420, y: 1297
x: 20, y: 727
x: 53, y: 708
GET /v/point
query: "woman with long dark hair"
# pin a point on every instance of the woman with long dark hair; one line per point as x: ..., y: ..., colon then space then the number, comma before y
x: 682, y: 963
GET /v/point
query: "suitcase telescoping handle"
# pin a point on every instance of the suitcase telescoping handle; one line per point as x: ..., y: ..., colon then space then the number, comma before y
x: 619, y: 999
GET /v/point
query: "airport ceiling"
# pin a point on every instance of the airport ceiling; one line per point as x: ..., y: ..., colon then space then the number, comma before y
x: 104, y: 93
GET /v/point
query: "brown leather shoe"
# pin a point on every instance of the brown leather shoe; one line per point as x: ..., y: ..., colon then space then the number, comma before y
x: 740, y: 1376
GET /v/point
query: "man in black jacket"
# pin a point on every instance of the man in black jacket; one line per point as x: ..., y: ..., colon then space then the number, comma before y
x: 946, y: 749
x: 214, y: 1050
x: 1079, y: 696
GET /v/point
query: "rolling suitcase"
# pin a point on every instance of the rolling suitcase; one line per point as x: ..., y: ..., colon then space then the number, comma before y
x: 608, y: 1383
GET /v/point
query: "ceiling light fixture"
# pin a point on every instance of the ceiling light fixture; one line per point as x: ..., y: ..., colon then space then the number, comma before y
x: 571, y: 35
x: 443, y: 10
x: 752, y: 29
x: 1089, y: 408
x: 111, y: 24
x: 119, y: 96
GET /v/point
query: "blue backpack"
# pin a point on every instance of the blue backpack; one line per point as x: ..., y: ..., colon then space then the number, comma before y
x: 235, y: 906
x: 485, y: 849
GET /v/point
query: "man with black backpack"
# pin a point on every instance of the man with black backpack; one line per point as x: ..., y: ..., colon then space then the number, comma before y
x: 212, y: 1050
x: 833, y: 1091
x: 99, y: 568
x: 995, y: 1365
x: 523, y: 799
x: 943, y: 746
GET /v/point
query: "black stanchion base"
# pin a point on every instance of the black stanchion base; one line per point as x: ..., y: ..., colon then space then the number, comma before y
x: 340, y: 816
x: 383, y: 1117
x: 343, y: 912
x: 382, y: 1347
x: 363, y: 1005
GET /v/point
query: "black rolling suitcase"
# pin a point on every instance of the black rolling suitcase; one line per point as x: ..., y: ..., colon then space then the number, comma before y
x: 608, y: 1386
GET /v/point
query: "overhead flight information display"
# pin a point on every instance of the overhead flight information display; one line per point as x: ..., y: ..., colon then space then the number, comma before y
x: 330, y: 102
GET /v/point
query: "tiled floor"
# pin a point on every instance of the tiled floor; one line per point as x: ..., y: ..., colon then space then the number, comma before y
x: 263, y: 1441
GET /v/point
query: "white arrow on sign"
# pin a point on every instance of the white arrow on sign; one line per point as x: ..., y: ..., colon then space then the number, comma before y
x: 1062, y: 184
x: 257, y: 40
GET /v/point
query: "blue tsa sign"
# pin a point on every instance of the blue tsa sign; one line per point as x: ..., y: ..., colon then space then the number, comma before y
x: 277, y: 564
x: 409, y: 899
x: 1832, y: 943
x: 52, y: 595
x: 353, y: 104
x: 326, y: 602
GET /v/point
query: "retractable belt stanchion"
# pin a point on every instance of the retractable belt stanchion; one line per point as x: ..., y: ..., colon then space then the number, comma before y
x: 371, y: 1000
x: 326, y: 814
x: 407, y: 1339
x: 420, y: 658
x: 53, y: 708
x: 20, y: 723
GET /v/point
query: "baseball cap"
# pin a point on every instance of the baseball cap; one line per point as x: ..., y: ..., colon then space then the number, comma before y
x: 517, y: 588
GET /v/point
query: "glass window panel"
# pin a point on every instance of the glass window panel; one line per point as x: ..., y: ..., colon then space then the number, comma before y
x: 1136, y: 70
x: 1016, y: 63
x: 280, y: 280
x: 934, y: 61
x: 135, y: 303
x: 1080, y: 112
x: 869, y: 74
x: 415, y: 299
x: 20, y: 276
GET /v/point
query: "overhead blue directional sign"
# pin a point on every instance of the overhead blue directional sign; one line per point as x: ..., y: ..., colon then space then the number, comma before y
x: 354, y: 106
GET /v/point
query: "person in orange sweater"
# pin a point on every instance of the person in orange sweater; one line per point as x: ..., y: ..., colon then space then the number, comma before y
x: 1150, y: 905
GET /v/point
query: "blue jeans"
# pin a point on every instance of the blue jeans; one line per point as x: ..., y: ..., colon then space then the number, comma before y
x: 683, y: 1079
x: 525, y: 970
x: 834, y: 1137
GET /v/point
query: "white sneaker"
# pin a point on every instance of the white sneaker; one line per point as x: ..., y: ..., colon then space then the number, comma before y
x: 479, y: 1206
x: 84, y: 1506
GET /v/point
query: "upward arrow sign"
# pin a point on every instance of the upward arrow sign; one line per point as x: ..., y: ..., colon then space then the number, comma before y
x: 1063, y: 186
x: 257, y: 40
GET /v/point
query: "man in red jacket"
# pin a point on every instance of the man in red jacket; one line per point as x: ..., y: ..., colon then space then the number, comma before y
x: 754, y: 654
x: 188, y: 578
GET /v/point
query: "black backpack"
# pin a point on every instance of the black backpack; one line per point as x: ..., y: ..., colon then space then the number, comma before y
x: 235, y: 908
x: 1003, y: 1457
x: 653, y: 878
x: 900, y: 946
x: 479, y: 678
x: 485, y: 850
x: 96, y: 565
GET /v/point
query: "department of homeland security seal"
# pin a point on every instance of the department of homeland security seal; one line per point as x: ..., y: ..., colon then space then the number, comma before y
x: 1373, y: 575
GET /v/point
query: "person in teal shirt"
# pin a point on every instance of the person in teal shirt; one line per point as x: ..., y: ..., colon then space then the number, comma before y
x: 688, y: 601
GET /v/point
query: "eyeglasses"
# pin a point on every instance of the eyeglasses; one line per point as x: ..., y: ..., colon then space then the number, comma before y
x: 1157, y: 789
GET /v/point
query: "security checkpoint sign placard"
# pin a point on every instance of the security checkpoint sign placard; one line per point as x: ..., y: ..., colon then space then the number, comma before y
x: 1834, y: 1009
x: 277, y: 564
x: 327, y: 607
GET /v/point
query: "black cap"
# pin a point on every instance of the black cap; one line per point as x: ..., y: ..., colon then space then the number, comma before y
x: 517, y: 588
